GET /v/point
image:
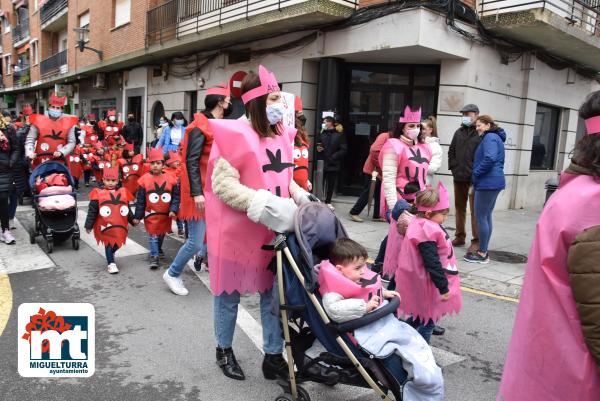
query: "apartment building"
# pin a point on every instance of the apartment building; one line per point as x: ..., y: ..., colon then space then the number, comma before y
x: 529, y: 64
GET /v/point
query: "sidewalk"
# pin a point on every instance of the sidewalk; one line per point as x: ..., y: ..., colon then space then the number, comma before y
x: 509, y: 246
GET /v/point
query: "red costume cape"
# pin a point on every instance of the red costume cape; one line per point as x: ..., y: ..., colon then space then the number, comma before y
x: 159, y: 190
x: 131, y: 171
x: 111, y: 226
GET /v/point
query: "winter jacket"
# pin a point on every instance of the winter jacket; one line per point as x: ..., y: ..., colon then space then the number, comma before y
x: 461, y: 153
x: 21, y: 168
x: 488, y: 166
x: 372, y: 162
x: 9, y: 159
x: 133, y: 133
x: 436, y: 160
x: 165, y: 140
x: 335, y: 148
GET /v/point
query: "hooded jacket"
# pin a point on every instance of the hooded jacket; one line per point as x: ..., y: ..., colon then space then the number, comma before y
x: 488, y: 166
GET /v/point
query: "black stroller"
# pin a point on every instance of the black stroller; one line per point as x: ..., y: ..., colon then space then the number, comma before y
x: 305, y: 320
x: 55, y: 226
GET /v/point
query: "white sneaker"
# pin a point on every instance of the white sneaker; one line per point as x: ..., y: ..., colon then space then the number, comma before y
x: 112, y: 268
x: 330, y: 206
x: 175, y: 284
x: 8, y: 238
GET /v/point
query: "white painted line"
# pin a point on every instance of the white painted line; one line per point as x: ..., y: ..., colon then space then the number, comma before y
x: 129, y: 249
x: 23, y: 256
x: 446, y: 358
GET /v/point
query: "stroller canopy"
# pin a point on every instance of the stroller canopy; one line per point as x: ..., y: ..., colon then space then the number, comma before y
x: 48, y: 168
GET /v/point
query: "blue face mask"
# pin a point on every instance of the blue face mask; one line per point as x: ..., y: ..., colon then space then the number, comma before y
x: 54, y: 113
x: 178, y: 123
x: 466, y: 121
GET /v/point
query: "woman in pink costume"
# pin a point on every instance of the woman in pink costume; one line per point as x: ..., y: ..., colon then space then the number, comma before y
x: 427, y: 275
x: 404, y: 161
x: 554, y: 353
x: 250, y: 195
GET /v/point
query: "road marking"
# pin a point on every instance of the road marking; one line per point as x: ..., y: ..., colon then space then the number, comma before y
x: 490, y: 294
x: 5, y: 299
x: 23, y: 256
x: 130, y: 248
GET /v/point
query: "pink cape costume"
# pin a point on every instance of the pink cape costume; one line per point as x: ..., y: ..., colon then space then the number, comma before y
x: 420, y: 297
x: 413, y: 164
x: 332, y: 280
x: 547, y: 358
x: 237, y: 262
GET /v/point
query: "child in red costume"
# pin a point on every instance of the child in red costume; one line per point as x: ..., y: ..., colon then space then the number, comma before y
x: 87, y: 157
x: 100, y: 161
x: 108, y: 215
x: 157, y: 203
x: 131, y: 168
x: 174, y: 168
x: 75, y: 164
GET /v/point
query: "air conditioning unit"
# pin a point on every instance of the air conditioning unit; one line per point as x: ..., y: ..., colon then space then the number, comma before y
x: 100, y: 81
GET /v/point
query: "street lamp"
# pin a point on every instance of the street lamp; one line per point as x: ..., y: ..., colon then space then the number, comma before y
x: 81, y: 41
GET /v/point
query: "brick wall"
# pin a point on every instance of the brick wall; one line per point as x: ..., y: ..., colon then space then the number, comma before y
x: 35, y: 32
x: 7, y: 44
x: 103, y: 35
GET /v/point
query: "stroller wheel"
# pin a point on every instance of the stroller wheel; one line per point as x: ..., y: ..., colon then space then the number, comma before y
x: 32, y: 236
x: 75, y: 242
x: 302, y: 396
x: 49, y: 245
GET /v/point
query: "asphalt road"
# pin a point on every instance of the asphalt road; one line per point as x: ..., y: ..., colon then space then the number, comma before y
x: 153, y: 345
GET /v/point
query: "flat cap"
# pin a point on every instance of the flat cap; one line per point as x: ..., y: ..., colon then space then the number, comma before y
x: 470, y: 108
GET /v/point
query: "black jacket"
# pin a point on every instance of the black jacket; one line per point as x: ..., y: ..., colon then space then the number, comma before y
x: 9, y: 160
x: 21, y: 167
x: 195, y: 145
x: 431, y: 260
x: 335, y: 148
x: 133, y: 133
x: 462, y: 153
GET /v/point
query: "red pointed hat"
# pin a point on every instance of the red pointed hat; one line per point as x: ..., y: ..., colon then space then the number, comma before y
x: 111, y: 112
x: 27, y: 109
x: 174, y: 157
x: 154, y: 155
x: 219, y: 89
x: 111, y: 173
x: 91, y: 117
x: 268, y: 84
x: 298, y: 103
x: 98, y: 145
x: 57, y: 100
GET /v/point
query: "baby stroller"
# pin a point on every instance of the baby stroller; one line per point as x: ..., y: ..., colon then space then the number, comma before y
x: 55, y: 226
x: 305, y: 320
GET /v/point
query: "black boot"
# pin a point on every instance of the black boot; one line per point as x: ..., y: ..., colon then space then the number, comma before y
x: 274, y: 366
x: 228, y: 364
x: 438, y: 330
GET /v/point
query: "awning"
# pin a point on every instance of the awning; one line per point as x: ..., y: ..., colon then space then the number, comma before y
x: 23, y: 49
x: 41, y: 3
x: 19, y: 3
x: 4, y: 13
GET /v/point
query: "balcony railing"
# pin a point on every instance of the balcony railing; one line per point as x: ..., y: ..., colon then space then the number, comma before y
x: 21, y: 31
x: 582, y: 13
x: 178, y: 18
x: 52, y: 65
x: 21, y: 77
x: 51, y: 9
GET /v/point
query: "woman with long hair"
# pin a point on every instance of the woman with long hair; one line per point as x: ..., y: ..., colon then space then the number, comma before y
x: 250, y: 196
x: 429, y: 132
x: 173, y: 134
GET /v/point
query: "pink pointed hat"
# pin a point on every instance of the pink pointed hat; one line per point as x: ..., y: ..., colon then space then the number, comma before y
x: 443, y: 202
x: 219, y: 89
x: 268, y: 84
x: 592, y: 125
x: 411, y: 116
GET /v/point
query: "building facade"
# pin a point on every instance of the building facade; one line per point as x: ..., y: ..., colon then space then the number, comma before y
x: 529, y: 65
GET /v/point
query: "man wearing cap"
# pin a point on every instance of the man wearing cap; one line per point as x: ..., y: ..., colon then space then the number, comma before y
x: 133, y: 132
x: 53, y: 136
x: 460, y: 162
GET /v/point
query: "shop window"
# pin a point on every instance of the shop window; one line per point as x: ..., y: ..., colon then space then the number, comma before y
x: 122, y: 12
x: 545, y: 137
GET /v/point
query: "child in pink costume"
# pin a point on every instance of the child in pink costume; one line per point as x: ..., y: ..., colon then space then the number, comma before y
x: 427, y: 276
x: 350, y: 291
x: 554, y: 353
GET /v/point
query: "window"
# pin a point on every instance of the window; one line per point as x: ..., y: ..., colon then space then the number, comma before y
x: 33, y: 48
x: 84, y: 22
x: 8, y: 64
x: 545, y: 136
x: 122, y: 12
x: 5, y: 24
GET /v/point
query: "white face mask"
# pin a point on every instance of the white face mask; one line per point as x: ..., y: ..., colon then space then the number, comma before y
x: 413, y: 133
x: 275, y: 113
x: 466, y: 120
x: 112, y: 118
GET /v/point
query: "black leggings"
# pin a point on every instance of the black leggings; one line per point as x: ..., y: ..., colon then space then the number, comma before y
x: 330, y: 178
x: 4, y: 210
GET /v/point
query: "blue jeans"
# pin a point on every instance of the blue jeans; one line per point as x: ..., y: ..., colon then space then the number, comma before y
x: 424, y: 330
x: 179, y: 224
x: 393, y: 363
x: 484, y: 206
x: 193, y: 245
x: 110, y: 251
x: 225, y: 307
x: 156, y: 242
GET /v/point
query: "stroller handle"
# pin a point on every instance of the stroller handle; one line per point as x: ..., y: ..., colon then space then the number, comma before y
x: 390, y: 307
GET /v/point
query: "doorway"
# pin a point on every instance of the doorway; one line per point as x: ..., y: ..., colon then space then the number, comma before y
x: 375, y: 96
x: 191, y: 104
x: 134, y: 105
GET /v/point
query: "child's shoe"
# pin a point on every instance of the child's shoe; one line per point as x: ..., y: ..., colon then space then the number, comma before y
x: 154, y: 262
x: 112, y: 268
